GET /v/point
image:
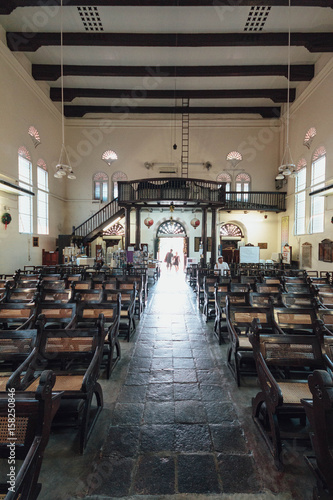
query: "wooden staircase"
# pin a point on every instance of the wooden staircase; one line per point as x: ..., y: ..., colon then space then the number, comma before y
x: 90, y: 229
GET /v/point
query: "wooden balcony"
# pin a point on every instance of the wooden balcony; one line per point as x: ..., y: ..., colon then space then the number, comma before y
x: 196, y: 192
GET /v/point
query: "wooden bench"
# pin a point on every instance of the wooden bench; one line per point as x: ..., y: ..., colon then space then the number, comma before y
x: 17, y: 349
x: 210, y: 289
x: 20, y: 295
x: 239, y: 320
x: 319, y: 411
x: 236, y: 298
x: 60, y: 315
x: 264, y: 299
x: 87, y: 295
x: 75, y: 357
x: 294, y: 320
x: 17, y: 316
x: 87, y: 317
x: 283, y: 363
x: 34, y: 412
x: 298, y: 300
x: 128, y: 299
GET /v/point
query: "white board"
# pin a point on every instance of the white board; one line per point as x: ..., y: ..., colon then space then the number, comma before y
x: 249, y: 255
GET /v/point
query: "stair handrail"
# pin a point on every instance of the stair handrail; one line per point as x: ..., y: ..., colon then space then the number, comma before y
x: 97, y: 219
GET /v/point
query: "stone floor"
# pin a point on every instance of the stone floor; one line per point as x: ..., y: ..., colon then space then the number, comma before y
x: 174, y: 423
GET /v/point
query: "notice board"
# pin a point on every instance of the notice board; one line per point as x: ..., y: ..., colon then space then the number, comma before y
x: 249, y: 255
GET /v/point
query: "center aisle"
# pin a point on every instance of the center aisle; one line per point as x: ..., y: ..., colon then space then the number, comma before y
x: 174, y: 422
x: 174, y: 428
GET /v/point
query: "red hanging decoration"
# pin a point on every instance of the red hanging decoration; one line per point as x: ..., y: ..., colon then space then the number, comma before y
x: 195, y: 222
x: 148, y: 222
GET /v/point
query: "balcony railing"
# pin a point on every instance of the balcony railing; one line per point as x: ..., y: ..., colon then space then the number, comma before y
x: 197, y: 192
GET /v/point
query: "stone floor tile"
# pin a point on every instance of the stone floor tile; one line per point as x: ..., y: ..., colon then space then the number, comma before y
x: 213, y: 393
x: 228, y: 439
x: 208, y: 377
x: 113, y: 474
x: 161, y: 363
x: 155, y: 475
x: 160, y: 392
x: 189, y: 412
x: 161, y: 376
x: 220, y: 411
x: 159, y: 413
x: 204, y: 363
x: 157, y: 438
x: 187, y: 391
x: 183, y: 376
x: 191, y: 438
x: 180, y: 362
x: 238, y: 473
x: 197, y: 474
x: 122, y: 440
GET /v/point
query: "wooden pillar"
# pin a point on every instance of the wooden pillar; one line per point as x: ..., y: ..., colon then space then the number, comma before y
x: 213, y: 234
x: 127, y: 227
x: 137, y: 227
x: 204, y: 235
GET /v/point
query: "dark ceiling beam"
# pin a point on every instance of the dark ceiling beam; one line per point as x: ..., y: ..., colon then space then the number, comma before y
x: 51, y: 72
x: 276, y: 95
x: 80, y: 111
x: 30, y: 42
x: 9, y: 5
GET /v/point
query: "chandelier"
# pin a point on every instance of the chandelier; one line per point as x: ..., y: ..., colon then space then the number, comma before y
x: 63, y: 168
x: 287, y: 166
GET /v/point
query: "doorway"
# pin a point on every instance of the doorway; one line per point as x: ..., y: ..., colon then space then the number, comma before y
x: 176, y: 243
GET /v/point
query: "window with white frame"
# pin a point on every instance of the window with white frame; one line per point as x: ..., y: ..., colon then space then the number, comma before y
x: 300, y: 185
x: 318, y: 172
x: 101, y: 187
x: 25, y: 181
x: 42, y: 198
x: 117, y: 176
x: 242, y: 184
x: 225, y: 177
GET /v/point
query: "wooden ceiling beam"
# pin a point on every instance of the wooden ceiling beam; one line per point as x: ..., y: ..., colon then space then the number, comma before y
x: 80, y: 111
x: 30, y: 42
x: 276, y: 95
x: 9, y: 6
x: 51, y: 72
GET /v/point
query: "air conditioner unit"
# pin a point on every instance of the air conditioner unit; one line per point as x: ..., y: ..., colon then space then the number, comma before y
x: 168, y: 170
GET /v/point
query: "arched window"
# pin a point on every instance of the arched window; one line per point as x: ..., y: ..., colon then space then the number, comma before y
x: 117, y: 176
x: 109, y: 156
x: 169, y: 227
x: 114, y: 230
x: 34, y: 134
x: 225, y: 177
x: 242, y: 182
x: 231, y: 230
x: 42, y: 198
x: 318, y: 174
x: 300, y: 198
x: 309, y: 136
x: 234, y: 157
x: 25, y: 181
x: 100, y: 186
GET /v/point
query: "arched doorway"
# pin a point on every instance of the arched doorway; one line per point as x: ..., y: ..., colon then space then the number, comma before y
x: 230, y: 235
x: 172, y: 235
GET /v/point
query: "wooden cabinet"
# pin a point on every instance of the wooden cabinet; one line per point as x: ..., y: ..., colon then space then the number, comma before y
x: 326, y: 251
x: 50, y: 258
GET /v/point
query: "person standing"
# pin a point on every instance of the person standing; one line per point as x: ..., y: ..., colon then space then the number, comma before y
x: 176, y: 261
x: 168, y: 259
x: 221, y: 267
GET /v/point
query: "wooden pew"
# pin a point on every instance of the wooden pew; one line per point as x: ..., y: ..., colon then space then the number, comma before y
x: 75, y: 356
x: 239, y: 320
x: 319, y: 411
x: 17, y: 316
x: 34, y: 412
x: 283, y: 363
x: 87, y: 317
x: 128, y: 299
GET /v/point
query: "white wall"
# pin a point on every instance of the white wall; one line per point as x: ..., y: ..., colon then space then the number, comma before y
x: 22, y: 104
